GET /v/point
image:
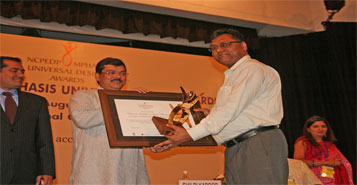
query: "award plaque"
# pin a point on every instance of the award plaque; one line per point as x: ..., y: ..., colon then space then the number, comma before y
x: 129, y: 117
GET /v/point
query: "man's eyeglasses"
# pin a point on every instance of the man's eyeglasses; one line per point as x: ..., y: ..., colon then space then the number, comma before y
x: 112, y: 73
x: 222, y: 45
x: 16, y: 70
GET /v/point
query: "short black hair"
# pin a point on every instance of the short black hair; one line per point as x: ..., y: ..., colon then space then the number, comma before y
x: 2, y: 58
x: 235, y: 33
x: 108, y: 61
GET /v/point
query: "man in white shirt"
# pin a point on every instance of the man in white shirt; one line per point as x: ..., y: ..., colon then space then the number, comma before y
x: 245, y: 118
x: 93, y: 161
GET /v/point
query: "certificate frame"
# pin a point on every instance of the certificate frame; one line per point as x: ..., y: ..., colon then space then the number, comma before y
x: 113, y: 125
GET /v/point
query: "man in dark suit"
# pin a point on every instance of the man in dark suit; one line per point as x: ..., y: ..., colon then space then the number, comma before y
x: 27, y: 154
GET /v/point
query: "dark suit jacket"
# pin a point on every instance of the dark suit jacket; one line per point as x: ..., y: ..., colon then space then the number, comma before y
x: 26, y: 145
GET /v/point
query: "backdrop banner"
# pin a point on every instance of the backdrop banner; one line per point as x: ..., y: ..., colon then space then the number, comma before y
x: 55, y: 69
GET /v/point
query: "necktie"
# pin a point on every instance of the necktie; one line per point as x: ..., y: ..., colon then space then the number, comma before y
x: 10, y: 106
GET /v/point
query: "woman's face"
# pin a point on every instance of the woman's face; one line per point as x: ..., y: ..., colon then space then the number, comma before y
x: 318, y: 129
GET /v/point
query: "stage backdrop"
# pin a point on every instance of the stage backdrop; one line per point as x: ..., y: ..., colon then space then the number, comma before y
x: 56, y: 69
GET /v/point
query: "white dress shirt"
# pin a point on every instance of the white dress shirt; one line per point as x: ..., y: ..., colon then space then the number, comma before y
x: 93, y: 161
x: 249, y: 97
x: 15, y: 96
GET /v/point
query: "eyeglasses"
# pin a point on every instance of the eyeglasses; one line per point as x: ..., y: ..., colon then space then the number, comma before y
x: 222, y: 45
x: 16, y: 70
x: 112, y: 73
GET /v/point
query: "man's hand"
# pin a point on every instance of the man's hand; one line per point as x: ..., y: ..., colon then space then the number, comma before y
x: 44, y: 180
x: 163, y: 146
x: 204, y: 110
x: 141, y: 90
x: 176, y: 137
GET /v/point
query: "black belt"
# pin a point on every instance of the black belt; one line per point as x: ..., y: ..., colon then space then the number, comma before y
x: 247, y: 135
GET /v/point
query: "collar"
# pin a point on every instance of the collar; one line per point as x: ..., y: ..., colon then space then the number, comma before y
x: 13, y: 91
x: 235, y: 66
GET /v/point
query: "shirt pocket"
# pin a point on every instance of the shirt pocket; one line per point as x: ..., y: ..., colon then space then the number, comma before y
x: 223, y: 95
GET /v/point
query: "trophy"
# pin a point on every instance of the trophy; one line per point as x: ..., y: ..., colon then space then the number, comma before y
x: 180, y: 114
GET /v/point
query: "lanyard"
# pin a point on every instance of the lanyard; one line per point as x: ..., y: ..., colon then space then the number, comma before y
x: 325, y: 149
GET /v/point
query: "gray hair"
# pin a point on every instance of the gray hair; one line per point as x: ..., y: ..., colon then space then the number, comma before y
x: 235, y: 33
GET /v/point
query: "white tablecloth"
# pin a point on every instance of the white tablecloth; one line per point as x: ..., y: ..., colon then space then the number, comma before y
x: 300, y: 173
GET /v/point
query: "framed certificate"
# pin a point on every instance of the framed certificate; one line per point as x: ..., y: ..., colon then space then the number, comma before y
x: 129, y: 117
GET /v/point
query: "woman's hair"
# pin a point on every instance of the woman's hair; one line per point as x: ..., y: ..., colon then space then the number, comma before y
x: 330, y: 136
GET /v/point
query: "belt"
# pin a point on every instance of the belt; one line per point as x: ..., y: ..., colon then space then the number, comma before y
x: 248, y: 134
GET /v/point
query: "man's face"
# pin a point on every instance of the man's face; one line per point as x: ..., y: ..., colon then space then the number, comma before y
x: 112, y: 77
x: 228, y: 55
x: 11, y: 76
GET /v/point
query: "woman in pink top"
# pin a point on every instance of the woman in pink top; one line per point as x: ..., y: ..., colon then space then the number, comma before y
x: 317, y: 150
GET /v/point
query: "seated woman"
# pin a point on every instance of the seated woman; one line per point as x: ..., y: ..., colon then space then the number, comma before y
x: 317, y: 150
